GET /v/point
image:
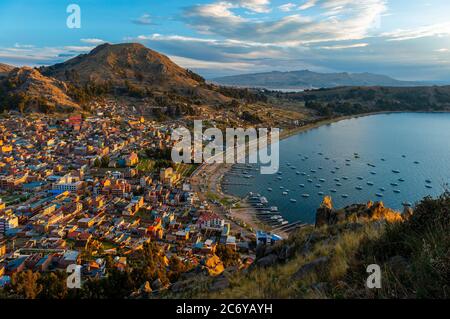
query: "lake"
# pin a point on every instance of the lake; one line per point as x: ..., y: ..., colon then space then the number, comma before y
x: 394, y: 158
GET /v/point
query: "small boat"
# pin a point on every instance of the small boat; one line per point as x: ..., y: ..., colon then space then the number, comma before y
x: 370, y: 183
x: 285, y: 193
x: 333, y: 172
x: 404, y: 156
x: 280, y: 178
x: 359, y: 188
x: 345, y: 178
x: 338, y: 184
x: 333, y: 190
x: 303, y: 173
x: 302, y: 185
x: 310, y: 180
x: 297, y: 172
x: 383, y: 160
x: 318, y: 185
x: 428, y: 181
x: 320, y: 168
x: 270, y: 189
x: 348, y: 164
x: 394, y: 184
x: 313, y: 171
x: 382, y: 189
x: 281, y: 187
x: 293, y: 200
x: 305, y: 195
x: 337, y: 180
x: 344, y: 196
x: 416, y: 162
x: 320, y: 193
x: 407, y: 204
x: 360, y: 178
x: 395, y: 171
x: 373, y: 173
x: 401, y: 180
x: 379, y: 195
x: 322, y: 180
x: 397, y: 191
x: 429, y: 186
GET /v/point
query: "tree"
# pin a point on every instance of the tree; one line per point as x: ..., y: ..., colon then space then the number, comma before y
x: 53, y: 285
x: 228, y: 255
x: 26, y: 284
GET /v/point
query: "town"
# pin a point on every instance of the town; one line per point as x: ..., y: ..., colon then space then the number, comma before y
x: 84, y: 190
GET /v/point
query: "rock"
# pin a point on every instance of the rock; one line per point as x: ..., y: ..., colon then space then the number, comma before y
x: 157, y: 284
x: 146, y: 288
x: 219, y: 283
x: 267, y: 260
x: 313, y: 266
x: 324, y: 212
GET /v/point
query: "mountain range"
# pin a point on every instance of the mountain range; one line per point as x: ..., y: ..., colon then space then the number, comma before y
x: 305, y: 79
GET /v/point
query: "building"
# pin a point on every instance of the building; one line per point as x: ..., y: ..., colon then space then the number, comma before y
x: 68, y: 183
x: 8, y: 221
x: 168, y: 176
x: 2, y: 249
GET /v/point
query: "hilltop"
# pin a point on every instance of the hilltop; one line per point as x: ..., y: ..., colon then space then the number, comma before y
x: 305, y: 79
x: 136, y: 70
x: 5, y: 69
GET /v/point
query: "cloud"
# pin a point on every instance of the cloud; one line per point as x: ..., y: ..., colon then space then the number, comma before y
x: 288, y: 7
x: 341, y: 47
x: 93, y: 41
x: 308, y: 4
x: 339, y: 20
x: 259, y: 6
x: 144, y: 19
x: 440, y: 29
x: 443, y: 50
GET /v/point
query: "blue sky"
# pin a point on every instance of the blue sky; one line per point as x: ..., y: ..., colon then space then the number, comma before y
x: 405, y: 39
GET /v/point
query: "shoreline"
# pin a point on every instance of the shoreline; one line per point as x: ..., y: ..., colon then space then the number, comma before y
x: 215, y: 177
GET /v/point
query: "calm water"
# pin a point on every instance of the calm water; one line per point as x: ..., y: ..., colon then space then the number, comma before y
x: 417, y: 145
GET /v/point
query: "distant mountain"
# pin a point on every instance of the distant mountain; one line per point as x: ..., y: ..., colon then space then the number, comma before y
x: 133, y: 67
x: 26, y: 89
x: 298, y: 80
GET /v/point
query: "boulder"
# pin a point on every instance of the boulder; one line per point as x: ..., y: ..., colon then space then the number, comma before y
x: 267, y: 260
x: 311, y: 267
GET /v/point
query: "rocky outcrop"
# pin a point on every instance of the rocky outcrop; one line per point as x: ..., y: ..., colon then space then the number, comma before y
x: 327, y: 215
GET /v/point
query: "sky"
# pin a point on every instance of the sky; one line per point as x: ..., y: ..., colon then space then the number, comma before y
x: 408, y: 40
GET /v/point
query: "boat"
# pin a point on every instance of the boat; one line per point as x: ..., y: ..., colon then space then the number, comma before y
x: 322, y: 180
x: 429, y: 186
x: 370, y: 183
x: 344, y: 196
x: 404, y: 156
x: 382, y: 189
x: 416, y: 162
x: 313, y: 171
x: 297, y: 172
x: 338, y: 184
x: 280, y: 178
x: 345, y: 178
x: 428, y: 181
x: 333, y: 190
x: 373, y: 173
x: 281, y: 187
x: 397, y: 191
x: 270, y: 189
x: 310, y: 180
x: 360, y: 178
x: 293, y: 200
x: 401, y: 180
x: 305, y: 195
x: 379, y: 195
x: 285, y: 193
x: 394, y: 184
x: 337, y: 180
x: 320, y: 193
x: 303, y: 174
x: 302, y: 185
x: 318, y: 185
x: 359, y: 188
x: 407, y: 204
x: 395, y: 171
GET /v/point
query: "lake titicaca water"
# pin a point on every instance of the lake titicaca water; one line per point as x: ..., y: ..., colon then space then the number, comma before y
x: 395, y: 158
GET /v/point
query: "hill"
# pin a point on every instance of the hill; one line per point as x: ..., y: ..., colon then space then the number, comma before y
x: 27, y: 90
x: 5, y: 69
x: 305, y: 79
x: 133, y: 69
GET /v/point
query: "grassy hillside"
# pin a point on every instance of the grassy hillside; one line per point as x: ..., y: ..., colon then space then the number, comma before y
x: 331, y: 261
